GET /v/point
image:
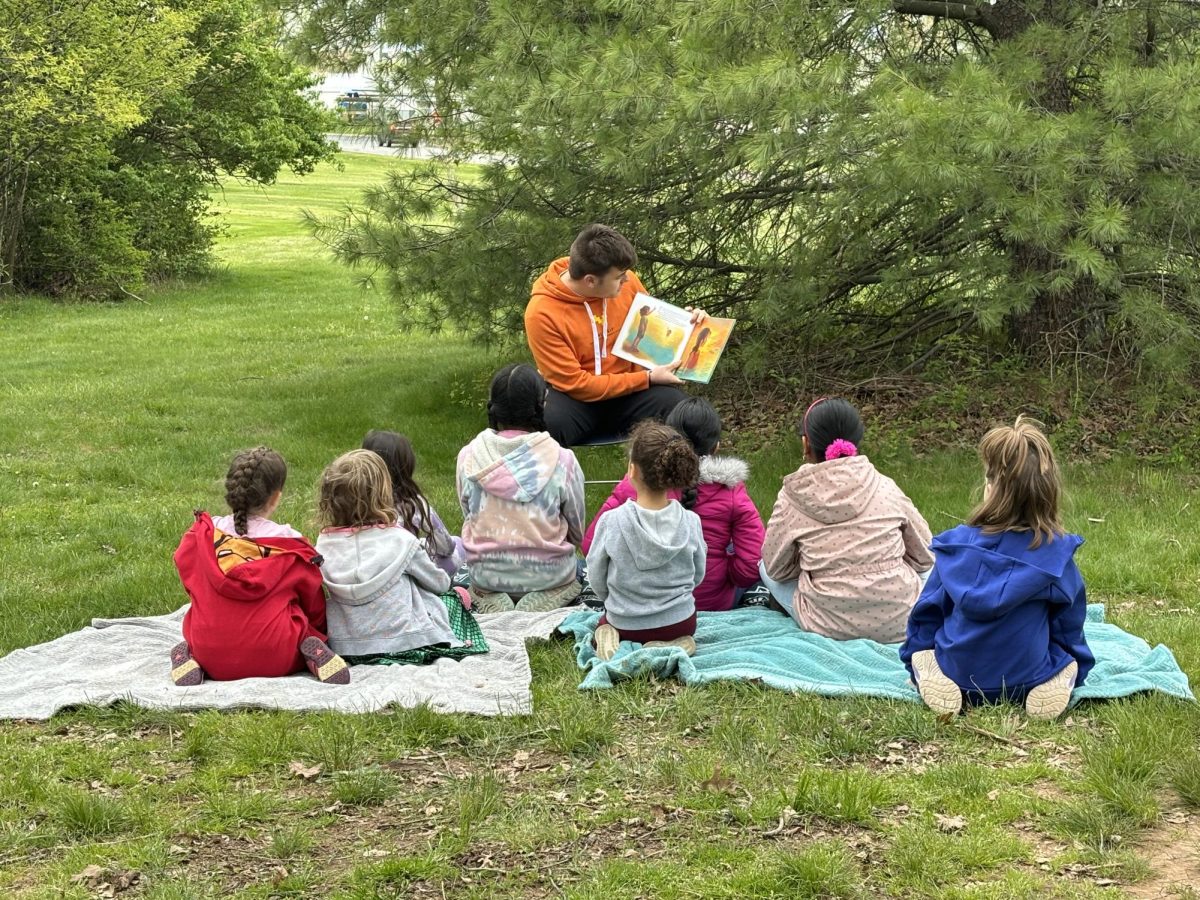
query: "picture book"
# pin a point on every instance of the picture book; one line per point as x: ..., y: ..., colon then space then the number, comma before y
x: 657, y: 333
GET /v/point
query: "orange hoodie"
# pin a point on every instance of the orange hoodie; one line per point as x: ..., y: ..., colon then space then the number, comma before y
x: 571, y: 338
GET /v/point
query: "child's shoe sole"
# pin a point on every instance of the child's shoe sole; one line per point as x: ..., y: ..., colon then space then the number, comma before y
x: 325, y: 665
x: 687, y: 644
x: 607, y: 641
x: 1049, y: 700
x: 185, y: 671
x: 940, y: 693
x: 487, y: 602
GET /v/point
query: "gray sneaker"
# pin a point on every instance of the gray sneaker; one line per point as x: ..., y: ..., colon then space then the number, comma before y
x: 1049, y: 700
x: 940, y: 694
x: 687, y: 644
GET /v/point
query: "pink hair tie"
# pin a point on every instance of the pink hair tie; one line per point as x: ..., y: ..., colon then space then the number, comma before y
x: 840, y: 447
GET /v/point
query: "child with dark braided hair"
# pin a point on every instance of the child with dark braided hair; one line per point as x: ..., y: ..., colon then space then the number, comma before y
x: 648, y: 555
x: 258, y: 605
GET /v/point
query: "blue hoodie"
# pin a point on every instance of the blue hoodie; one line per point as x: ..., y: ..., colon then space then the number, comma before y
x: 1000, y: 617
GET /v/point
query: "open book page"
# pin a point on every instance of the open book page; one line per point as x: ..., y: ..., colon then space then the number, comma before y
x: 704, y: 348
x: 654, y: 333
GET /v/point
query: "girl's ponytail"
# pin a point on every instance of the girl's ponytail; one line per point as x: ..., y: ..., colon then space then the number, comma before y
x: 664, y: 457
x: 1024, y: 483
x: 697, y: 420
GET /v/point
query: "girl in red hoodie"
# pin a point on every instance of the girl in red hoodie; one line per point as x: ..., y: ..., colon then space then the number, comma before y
x: 258, y: 605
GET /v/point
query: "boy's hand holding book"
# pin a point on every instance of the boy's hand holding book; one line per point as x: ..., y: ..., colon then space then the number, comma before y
x: 666, y: 374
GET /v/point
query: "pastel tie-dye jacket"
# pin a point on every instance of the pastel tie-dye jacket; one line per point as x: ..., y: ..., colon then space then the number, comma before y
x: 523, y: 510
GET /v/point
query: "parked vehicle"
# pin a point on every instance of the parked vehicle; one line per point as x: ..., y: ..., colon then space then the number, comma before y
x: 407, y: 130
x: 357, y: 106
x: 401, y: 132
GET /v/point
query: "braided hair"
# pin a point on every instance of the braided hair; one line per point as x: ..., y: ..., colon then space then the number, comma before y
x: 254, y: 476
x: 664, y: 457
x: 697, y: 421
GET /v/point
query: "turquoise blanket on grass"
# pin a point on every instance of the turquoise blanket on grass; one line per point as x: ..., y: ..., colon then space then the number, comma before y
x: 762, y: 645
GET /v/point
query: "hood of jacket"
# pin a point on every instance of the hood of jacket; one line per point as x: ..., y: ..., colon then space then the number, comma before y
x: 654, y: 536
x: 359, y: 563
x: 989, y: 575
x: 725, y: 470
x: 550, y: 284
x: 835, y: 491
x: 249, y: 581
x: 516, y: 468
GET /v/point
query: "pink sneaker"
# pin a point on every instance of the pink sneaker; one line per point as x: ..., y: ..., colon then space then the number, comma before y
x: 326, y: 665
x: 185, y: 671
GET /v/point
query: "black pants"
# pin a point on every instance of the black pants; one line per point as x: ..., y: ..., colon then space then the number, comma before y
x: 572, y: 422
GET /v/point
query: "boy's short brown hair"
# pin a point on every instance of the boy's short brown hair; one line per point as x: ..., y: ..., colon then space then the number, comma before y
x: 599, y: 248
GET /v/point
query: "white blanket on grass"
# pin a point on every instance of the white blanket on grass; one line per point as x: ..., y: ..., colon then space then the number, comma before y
x: 129, y: 660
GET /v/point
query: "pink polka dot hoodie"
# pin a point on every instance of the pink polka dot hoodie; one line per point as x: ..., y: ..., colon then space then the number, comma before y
x: 854, y: 543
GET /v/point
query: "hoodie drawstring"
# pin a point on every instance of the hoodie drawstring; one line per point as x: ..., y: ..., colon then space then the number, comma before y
x: 599, y: 348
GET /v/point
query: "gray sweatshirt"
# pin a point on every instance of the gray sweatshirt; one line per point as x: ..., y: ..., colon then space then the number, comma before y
x: 384, y: 591
x: 644, y: 564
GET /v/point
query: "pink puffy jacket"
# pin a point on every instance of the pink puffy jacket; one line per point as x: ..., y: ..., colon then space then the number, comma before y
x: 733, y: 529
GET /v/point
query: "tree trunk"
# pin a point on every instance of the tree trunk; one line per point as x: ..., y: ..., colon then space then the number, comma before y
x: 1054, y: 320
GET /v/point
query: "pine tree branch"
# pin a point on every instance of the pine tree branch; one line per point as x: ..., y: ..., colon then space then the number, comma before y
x: 970, y: 13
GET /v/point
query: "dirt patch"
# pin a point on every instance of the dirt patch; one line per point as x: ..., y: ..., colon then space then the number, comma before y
x: 1049, y: 790
x: 915, y: 757
x: 1172, y: 850
x: 544, y: 870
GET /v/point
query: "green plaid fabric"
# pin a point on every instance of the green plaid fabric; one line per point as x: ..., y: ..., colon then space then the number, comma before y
x: 462, y: 623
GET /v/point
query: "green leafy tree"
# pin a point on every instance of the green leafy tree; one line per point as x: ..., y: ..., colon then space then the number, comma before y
x: 120, y: 117
x: 870, y: 177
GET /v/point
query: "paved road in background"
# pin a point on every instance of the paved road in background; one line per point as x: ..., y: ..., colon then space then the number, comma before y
x: 365, y: 143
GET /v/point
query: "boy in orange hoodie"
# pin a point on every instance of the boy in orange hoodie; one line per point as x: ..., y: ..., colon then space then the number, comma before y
x: 573, y: 319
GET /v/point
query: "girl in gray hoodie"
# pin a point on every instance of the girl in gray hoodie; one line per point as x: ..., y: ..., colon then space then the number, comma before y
x: 385, y: 593
x: 647, y: 556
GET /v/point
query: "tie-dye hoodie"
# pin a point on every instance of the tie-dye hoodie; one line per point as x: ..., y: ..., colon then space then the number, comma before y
x: 523, y: 513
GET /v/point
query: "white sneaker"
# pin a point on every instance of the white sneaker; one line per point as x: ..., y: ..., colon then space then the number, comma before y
x: 940, y: 694
x: 1049, y: 700
x: 687, y: 643
x: 607, y: 640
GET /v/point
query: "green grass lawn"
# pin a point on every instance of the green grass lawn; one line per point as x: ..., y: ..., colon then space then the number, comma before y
x: 120, y: 419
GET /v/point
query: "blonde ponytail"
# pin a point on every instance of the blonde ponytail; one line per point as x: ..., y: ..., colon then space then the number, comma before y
x: 1024, y: 483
